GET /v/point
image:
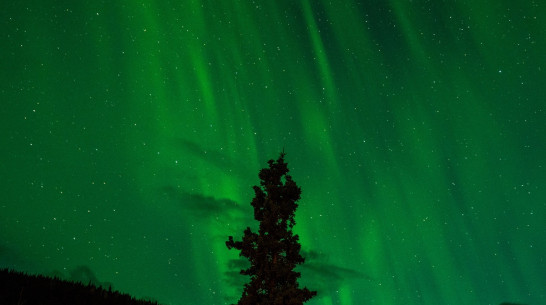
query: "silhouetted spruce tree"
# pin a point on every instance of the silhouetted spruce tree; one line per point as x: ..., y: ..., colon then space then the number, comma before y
x: 274, y: 251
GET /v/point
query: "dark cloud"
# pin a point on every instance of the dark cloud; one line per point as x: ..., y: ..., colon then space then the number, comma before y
x: 81, y: 274
x: 317, y: 263
x: 332, y: 272
x: 239, y: 264
x: 317, y: 273
x: 202, y: 206
x: 325, y: 277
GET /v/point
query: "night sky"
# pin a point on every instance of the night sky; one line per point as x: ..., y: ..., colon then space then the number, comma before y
x: 132, y: 132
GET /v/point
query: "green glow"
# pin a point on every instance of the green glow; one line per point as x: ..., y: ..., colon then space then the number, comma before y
x: 132, y: 132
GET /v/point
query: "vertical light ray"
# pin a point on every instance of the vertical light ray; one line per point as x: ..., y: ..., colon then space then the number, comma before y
x: 321, y: 54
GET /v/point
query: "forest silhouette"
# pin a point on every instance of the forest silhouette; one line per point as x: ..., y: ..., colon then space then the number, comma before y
x: 21, y: 288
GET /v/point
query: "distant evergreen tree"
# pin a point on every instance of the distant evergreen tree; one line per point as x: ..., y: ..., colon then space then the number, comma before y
x: 274, y: 251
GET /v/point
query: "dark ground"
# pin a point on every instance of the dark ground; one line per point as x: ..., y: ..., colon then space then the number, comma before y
x: 19, y: 288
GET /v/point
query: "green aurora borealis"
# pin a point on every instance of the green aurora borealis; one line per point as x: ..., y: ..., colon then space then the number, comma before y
x: 132, y: 132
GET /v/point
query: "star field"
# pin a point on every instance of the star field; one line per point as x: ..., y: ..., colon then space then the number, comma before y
x: 131, y: 134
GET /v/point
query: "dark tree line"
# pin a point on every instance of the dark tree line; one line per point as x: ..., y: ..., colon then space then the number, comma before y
x: 274, y: 251
x: 20, y: 288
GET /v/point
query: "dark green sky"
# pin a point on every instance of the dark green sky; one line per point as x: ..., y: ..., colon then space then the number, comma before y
x: 131, y: 133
